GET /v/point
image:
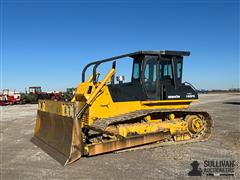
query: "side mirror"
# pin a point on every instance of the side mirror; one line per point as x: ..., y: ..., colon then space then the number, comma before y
x: 120, y: 79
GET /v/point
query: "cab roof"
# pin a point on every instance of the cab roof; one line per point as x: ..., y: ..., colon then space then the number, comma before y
x: 162, y: 52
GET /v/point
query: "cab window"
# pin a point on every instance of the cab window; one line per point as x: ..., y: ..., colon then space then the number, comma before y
x: 166, y: 70
x: 150, y: 75
x: 179, y: 70
x: 136, y: 70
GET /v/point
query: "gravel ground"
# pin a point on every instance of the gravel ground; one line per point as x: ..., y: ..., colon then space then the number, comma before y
x: 20, y: 159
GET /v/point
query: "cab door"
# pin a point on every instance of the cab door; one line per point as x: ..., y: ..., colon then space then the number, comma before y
x: 170, y: 77
x: 166, y: 79
x: 150, y: 78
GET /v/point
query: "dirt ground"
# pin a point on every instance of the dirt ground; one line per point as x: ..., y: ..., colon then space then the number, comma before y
x: 20, y: 159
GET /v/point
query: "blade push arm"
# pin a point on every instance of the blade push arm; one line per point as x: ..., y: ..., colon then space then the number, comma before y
x: 97, y: 90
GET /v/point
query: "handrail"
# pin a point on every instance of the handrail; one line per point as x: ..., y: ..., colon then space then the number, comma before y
x: 190, y: 85
x: 97, y: 63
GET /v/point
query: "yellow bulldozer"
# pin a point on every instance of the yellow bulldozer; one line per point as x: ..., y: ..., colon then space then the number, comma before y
x: 109, y: 114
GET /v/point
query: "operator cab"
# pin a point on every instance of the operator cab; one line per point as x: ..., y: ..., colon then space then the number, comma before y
x: 156, y: 75
x: 161, y: 75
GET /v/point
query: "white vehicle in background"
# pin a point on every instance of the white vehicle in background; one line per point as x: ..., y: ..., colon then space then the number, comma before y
x: 8, y: 97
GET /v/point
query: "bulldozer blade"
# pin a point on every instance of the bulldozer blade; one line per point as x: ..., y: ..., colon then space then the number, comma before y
x: 58, y: 136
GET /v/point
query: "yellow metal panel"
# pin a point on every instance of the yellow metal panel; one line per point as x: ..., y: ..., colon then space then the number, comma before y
x: 104, y: 107
x: 57, y: 107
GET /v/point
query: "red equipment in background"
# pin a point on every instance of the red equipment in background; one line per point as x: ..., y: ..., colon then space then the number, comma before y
x: 9, y: 98
x: 32, y: 96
